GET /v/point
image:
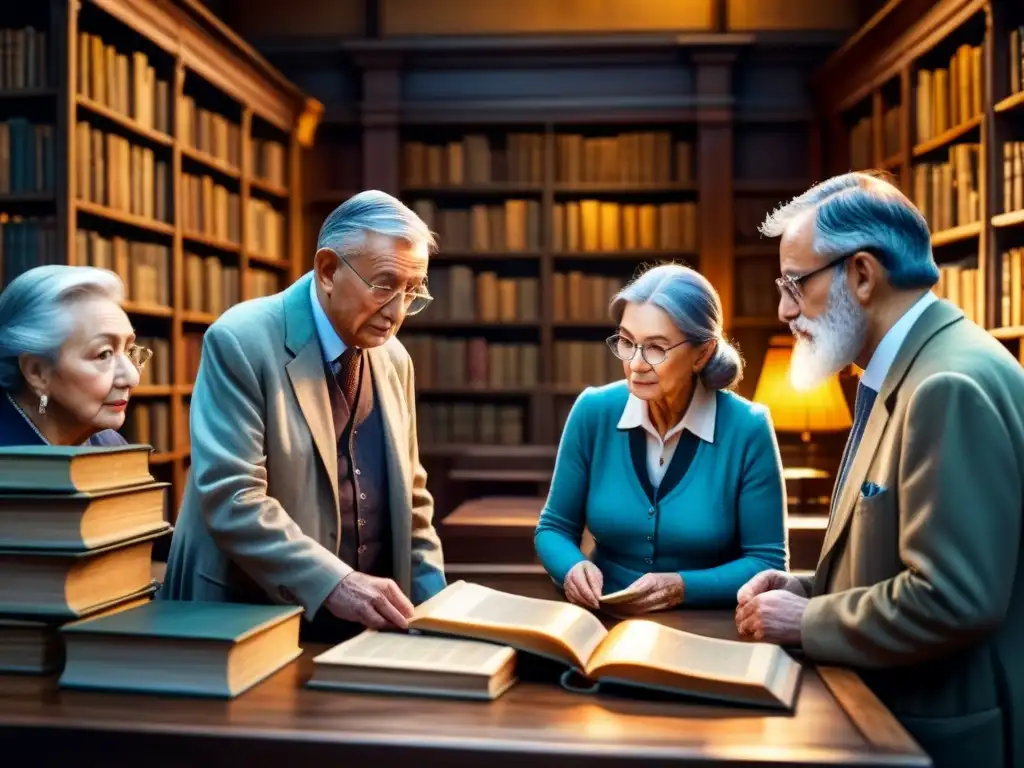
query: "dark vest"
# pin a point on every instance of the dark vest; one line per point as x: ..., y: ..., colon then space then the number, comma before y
x: 365, y: 536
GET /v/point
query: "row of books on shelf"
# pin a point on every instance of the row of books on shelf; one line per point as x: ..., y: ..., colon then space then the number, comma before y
x: 441, y: 423
x: 211, y: 286
x: 580, y: 364
x: 462, y: 295
x: 114, y: 172
x: 267, y: 161
x: 754, y: 292
x: 635, y: 157
x: 209, y: 132
x: 192, y: 350
x: 581, y: 297
x: 24, y: 59
x: 122, y: 81
x: 442, y: 362
x: 862, y: 138
x: 471, y: 160
x: 1013, y: 176
x: 158, y: 371
x: 950, y: 96
x: 1011, y: 309
x: 961, y: 284
x: 26, y: 157
x: 27, y: 242
x: 947, y: 194
x: 604, y: 225
x: 144, y: 268
x: 262, y: 282
x: 148, y: 421
x: 514, y: 225
x: 210, y: 209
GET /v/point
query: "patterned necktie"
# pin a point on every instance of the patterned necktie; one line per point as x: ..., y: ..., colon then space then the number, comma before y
x: 862, y: 409
x: 348, y: 374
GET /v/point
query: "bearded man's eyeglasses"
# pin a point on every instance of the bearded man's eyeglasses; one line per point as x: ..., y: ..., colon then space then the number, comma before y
x: 792, y: 285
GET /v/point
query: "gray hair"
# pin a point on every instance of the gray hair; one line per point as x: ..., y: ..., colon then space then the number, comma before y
x: 372, y: 211
x: 863, y: 212
x: 34, y: 316
x: 692, y: 303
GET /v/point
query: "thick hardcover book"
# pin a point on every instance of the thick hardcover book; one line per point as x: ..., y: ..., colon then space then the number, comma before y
x: 636, y: 652
x: 73, y: 469
x: 178, y: 647
x: 393, y: 662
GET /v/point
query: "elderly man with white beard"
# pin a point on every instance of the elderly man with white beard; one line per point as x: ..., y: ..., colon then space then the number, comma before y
x: 918, y: 586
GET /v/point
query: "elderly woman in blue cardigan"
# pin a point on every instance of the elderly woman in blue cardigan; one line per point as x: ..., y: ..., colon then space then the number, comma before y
x: 678, y: 480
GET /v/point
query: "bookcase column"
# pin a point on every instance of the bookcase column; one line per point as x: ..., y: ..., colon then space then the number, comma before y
x: 379, y: 118
x: 715, y: 173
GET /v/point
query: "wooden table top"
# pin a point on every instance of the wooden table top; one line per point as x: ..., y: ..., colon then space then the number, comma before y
x: 837, y: 722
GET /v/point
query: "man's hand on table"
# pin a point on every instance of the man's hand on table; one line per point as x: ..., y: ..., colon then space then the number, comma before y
x: 371, y: 601
x: 770, y: 608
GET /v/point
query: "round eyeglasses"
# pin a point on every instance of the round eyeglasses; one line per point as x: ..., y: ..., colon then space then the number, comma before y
x: 653, y: 354
x: 413, y: 302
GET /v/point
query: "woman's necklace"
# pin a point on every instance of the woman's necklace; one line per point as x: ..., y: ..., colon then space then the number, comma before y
x: 25, y: 416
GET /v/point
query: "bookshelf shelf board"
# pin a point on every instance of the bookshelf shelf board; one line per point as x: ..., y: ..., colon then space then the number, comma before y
x: 636, y: 255
x: 894, y: 162
x: 500, y: 475
x: 211, y: 162
x: 166, y: 457
x: 1011, y: 219
x: 956, y: 234
x: 268, y: 188
x: 147, y: 310
x: 26, y: 198
x: 1010, y: 102
x: 153, y: 390
x: 807, y: 522
x: 770, y: 186
x: 130, y: 219
x: 583, y: 324
x: 948, y: 137
x: 266, y: 261
x: 486, y: 255
x: 28, y: 93
x: 95, y: 108
x: 462, y: 190
x: 198, y: 318
x: 599, y: 188
x: 483, y: 389
x: 759, y: 323
x: 1010, y: 333
x: 211, y: 242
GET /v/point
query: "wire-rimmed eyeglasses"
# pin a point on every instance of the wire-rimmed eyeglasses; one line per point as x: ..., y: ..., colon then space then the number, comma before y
x: 792, y: 285
x: 413, y: 301
x: 653, y: 354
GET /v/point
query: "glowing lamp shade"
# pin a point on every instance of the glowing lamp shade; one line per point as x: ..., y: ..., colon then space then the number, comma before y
x: 818, y: 410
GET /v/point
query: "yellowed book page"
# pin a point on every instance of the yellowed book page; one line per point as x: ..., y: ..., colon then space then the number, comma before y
x: 548, y: 628
x: 395, y: 650
x: 643, y: 643
x: 622, y: 596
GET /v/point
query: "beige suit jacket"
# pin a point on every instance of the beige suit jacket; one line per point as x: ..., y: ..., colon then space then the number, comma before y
x: 260, y: 519
x: 919, y: 585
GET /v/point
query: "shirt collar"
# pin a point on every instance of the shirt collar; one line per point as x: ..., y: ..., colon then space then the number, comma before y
x: 699, y: 417
x: 881, y: 360
x: 330, y: 342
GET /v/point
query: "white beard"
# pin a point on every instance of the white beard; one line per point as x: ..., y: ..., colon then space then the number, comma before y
x: 837, y: 337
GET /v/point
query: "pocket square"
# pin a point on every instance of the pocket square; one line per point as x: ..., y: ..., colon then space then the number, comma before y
x: 870, y: 489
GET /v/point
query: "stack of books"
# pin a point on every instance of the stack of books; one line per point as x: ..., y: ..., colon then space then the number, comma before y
x: 77, y: 528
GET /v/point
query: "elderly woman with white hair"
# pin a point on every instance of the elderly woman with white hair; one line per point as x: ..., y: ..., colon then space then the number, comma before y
x: 68, y: 358
x: 678, y: 480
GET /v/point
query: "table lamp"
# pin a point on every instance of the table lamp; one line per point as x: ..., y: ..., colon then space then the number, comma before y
x: 822, y: 409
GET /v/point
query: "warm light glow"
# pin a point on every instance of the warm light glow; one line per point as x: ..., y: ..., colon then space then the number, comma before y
x: 823, y: 409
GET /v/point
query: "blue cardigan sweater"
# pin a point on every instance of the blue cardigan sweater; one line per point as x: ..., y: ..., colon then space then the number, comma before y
x: 721, y: 523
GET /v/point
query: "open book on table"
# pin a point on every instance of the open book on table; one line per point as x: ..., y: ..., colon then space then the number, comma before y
x: 635, y: 652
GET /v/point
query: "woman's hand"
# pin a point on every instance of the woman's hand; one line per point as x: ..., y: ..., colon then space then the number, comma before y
x: 653, y: 592
x: 583, y: 584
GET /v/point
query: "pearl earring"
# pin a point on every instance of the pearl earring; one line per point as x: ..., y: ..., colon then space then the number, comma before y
x: 43, y: 400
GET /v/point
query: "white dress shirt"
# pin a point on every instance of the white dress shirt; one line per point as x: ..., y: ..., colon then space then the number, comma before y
x: 699, y: 419
x: 889, y: 346
x: 330, y: 342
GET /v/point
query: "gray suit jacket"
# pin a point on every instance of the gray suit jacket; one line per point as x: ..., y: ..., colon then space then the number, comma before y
x: 919, y: 584
x: 260, y: 519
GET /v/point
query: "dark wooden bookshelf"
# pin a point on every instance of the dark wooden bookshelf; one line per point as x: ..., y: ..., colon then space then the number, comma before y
x: 108, y: 87
x: 890, y: 61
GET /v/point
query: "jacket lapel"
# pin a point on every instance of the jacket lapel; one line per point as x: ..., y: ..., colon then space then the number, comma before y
x: 306, y: 373
x: 395, y: 440
x: 934, y: 319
